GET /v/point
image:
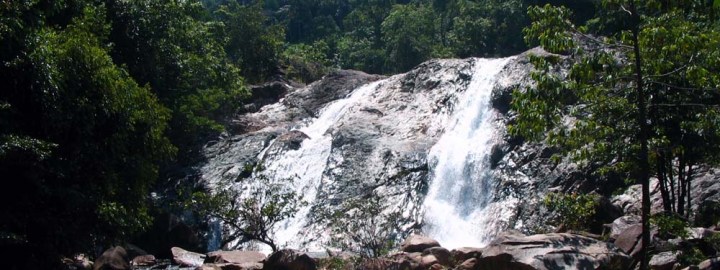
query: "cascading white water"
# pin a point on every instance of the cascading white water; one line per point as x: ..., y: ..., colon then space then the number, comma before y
x: 458, y: 210
x: 307, y: 164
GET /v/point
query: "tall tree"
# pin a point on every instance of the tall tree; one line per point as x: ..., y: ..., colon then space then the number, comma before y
x: 80, y: 140
x: 409, y: 35
x: 168, y: 46
x: 253, y: 43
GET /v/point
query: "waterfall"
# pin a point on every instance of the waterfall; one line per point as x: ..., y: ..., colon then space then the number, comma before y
x: 458, y: 207
x: 419, y: 142
x: 307, y: 164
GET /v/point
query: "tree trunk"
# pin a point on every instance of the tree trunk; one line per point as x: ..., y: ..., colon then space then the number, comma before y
x: 662, y: 179
x: 688, y: 179
x: 681, y: 186
x: 643, y: 174
x: 671, y: 178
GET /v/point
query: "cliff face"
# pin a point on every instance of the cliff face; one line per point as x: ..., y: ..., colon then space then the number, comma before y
x: 376, y: 159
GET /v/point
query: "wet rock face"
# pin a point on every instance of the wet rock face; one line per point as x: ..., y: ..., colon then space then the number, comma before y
x: 334, y: 86
x: 378, y: 146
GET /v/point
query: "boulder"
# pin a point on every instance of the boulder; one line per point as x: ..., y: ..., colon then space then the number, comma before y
x: 265, y: 94
x: 705, y: 195
x: 426, y: 261
x: 621, y: 224
x: 143, y: 260
x: 700, y: 233
x: 466, y: 253
x: 442, y: 255
x: 468, y: 264
x: 246, y: 259
x: 710, y: 264
x: 235, y: 256
x: 663, y: 261
x: 413, y: 259
x: 288, y: 259
x: 551, y: 251
x: 418, y: 243
x: 630, y: 239
x: 292, y: 139
x: 187, y: 258
x: 114, y: 258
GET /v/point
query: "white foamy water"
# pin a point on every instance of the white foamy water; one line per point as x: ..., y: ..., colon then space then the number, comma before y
x: 458, y: 210
x: 307, y: 164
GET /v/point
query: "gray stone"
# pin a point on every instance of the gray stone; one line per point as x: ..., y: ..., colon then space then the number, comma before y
x: 663, y: 261
x: 629, y: 240
x: 187, y: 258
x: 235, y: 257
x: 621, y: 224
x: 551, y: 251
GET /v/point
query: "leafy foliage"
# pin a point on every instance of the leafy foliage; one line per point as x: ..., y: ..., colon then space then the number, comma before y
x: 252, y: 41
x: 670, y: 225
x: 81, y: 140
x: 361, y: 225
x: 247, y: 215
x: 306, y: 63
x: 166, y: 46
x: 574, y: 211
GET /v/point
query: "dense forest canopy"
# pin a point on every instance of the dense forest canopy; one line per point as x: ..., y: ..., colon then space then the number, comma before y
x: 100, y: 99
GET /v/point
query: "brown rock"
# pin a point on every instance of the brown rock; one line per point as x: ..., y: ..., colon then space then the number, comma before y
x: 418, y: 243
x: 292, y: 139
x: 465, y: 253
x: 289, y: 259
x: 112, y: 259
x: 427, y: 261
x: 143, y: 260
x: 187, y: 258
x: 409, y: 259
x: 384, y: 264
x: 468, y: 264
x: 442, y: 254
